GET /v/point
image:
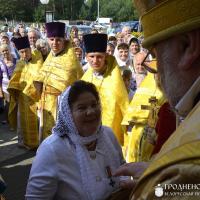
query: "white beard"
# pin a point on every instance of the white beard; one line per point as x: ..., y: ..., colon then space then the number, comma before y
x: 171, y: 81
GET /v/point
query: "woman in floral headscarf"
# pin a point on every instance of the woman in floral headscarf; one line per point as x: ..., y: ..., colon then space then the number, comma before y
x: 77, y: 160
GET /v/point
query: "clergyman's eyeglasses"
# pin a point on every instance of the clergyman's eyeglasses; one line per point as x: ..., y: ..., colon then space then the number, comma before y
x: 149, y: 65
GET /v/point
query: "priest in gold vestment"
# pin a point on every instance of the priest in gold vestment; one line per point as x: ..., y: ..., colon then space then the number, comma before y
x: 105, y: 74
x: 172, y: 32
x: 60, y: 69
x: 141, y: 114
x: 23, y: 109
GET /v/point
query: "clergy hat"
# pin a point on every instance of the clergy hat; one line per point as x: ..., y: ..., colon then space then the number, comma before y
x: 95, y: 42
x: 162, y: 19
x: 21, y: 42
x: 55, y: 29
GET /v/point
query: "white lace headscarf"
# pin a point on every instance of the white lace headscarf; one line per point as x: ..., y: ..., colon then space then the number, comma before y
x: 119, y: 61
x: 65, y: 126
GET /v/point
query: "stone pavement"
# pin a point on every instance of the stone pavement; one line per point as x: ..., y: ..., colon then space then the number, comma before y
x: 15, y: 163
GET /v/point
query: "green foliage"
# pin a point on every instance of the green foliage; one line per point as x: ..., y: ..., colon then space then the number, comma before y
x: 33, y: 10
x: 39, y: 14
x: 7, y: 9
x: 16, y: 9
x: 121, y: 11
x: 84, y: 12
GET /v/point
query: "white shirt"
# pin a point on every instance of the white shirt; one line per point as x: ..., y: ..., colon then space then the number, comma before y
x: 55, y: 173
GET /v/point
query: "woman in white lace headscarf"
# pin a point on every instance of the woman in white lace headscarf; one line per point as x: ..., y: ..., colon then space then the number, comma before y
x: 77, y: 160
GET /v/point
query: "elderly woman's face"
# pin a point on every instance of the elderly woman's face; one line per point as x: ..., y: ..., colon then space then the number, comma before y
x: 134, y: 48
x: 5, y: 40
x: 32, y: 36
x: 5, y: 52
x: 123, y: 54
x: 43, y: 49
x: 86, y: 113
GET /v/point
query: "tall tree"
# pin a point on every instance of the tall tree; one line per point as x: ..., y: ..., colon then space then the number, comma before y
x: 7, y: 9
x: 16, y: 9
x: 39, y: 13
x: 90, y: 12
x: 119, y: 10
x: 33, y: 10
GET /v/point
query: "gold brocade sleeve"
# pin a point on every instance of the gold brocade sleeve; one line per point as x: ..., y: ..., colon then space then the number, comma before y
x: 147, y: 89
x: 22, y: 82
x: 14, y: 83
x: 34, y: 66
x: 137, y: 115
x: 14, y: 87
x: 184, y: 173
x: 182, y: 147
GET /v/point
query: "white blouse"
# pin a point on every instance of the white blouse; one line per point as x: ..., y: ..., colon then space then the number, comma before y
x: 55, y: 173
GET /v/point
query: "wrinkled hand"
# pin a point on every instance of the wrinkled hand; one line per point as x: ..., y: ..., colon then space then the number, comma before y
x: 134, y: 170
x: 128, y: 184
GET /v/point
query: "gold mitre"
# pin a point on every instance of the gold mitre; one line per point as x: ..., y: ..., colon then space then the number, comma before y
x: 162, y: 19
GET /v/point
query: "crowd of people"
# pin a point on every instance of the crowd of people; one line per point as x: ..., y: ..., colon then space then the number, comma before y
x: 109, y: 119
x: 37, y: 54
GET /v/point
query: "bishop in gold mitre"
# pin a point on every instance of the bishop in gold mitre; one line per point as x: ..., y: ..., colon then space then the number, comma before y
x: 172, y: 32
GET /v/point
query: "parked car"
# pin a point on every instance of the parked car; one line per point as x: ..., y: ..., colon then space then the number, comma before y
x: 133, y: 24
x: 100, y: 27
x: 83, y: 28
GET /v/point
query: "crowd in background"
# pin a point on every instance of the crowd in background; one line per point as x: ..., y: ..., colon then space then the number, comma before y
x: 123, y: 45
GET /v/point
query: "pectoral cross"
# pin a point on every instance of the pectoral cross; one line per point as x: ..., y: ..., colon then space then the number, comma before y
x: 153, y: 111
x: 109, y: 174
x: 112, y: 183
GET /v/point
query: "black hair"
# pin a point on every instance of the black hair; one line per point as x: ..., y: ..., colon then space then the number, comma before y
x: 112, y: 38
x: 126, y: 73
x: 122, y: 46
x: 134, y: 40
x: 79, y: 87
x: 74, y: 28
x: 94, y: 30
x: 111, y: 45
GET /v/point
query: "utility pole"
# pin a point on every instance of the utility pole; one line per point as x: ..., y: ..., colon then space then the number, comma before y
x: 71, y: 9
x: 98, y: 11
